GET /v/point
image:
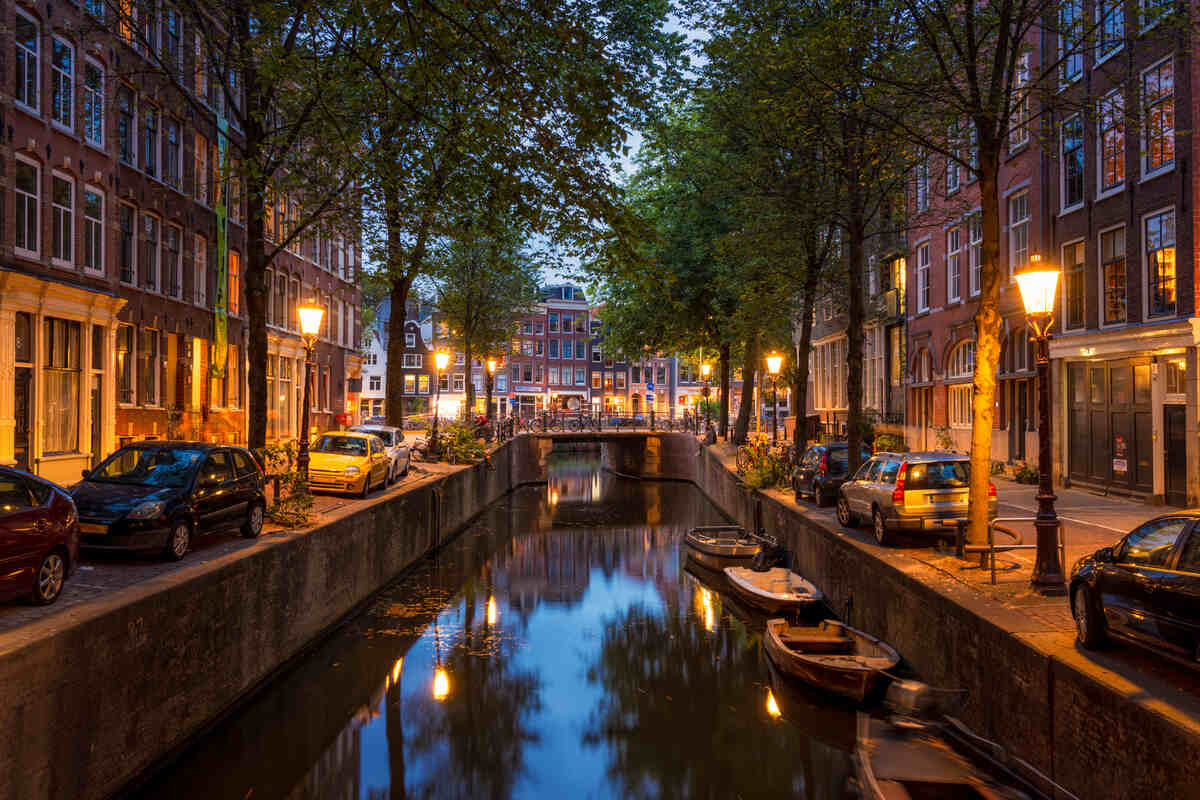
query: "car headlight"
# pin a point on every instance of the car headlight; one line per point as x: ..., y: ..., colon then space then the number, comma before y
x: 147, y: 510
x: 352, y: 470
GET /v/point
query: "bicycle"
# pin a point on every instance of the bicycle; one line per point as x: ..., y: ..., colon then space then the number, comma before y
x: 750, y: 453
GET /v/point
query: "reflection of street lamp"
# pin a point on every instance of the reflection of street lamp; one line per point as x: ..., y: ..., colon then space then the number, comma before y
x: 441, y: 680
x: 772, y: 706
x: 1038, y: 283
x: 440, y: 359
x: 705, y: 371
x: 774, y: 362
x: 493, y: 612
x: 310, y: 315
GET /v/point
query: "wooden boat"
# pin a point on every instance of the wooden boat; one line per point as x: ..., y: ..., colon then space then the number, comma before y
x: 720, y: 546
x: 776, y: 589
x: 832, y: 656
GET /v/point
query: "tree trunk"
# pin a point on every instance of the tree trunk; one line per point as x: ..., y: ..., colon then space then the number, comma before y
x: 749, y: 371
x: 468, y: 384
x: 800, y: 387
x: 394, y: 379
x: 987, y: 347
x: 723, y: 413
x: 255, y: 276
x: 855, y: 236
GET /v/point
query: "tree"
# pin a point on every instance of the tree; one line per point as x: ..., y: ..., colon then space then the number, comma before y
x: 484, y: 285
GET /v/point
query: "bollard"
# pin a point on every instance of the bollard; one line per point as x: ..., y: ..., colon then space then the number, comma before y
x: 960, y: 538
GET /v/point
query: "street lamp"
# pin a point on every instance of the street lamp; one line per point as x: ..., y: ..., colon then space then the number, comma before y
x: 774, y: 362
x: 1038, y: 283
x: 310, y: 315
x: 705, y: 372
x: 440, y: 359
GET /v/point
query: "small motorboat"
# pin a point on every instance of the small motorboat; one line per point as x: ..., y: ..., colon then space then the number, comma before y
x: 720, y: 546
x: 774, y: 589
x: 832, y: 656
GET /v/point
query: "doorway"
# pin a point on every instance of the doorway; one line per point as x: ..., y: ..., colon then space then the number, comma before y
x: 23, y: 387
x: 1019, y: 423
x: 97, y: 422
x: 1175, y: 455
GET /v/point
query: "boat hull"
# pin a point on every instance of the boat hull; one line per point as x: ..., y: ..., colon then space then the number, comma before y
x: 853, y: 683
x: 716, y: 562
x: 767, y: 602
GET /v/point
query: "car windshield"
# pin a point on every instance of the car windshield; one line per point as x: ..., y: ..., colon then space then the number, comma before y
x: 385, y: 435
x: 145, y: 466
x: 938, y: 475
x: 342, y: 445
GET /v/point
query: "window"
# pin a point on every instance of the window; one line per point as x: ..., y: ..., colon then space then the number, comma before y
x: 171, y: 261
x: 553, y: 375
x: 1153, y: 543
x: 171, y: 41
x: 93, y: 103
x: 459, y: 382
x: 62, y: 219
x: 93, y: 231
x: 553, y: 347
x: 127, y: 257
x: 952, y: 173
x: 125, y: 364
x: 29, y: 70
x: 581, y: 323
x: 1070, y: 18
x: 1018, y: 232
x: 148, y: 257
x: 580, y: 349
x: 975, y: 253
x: 375, y: 383
x: 1176, y: 372
x: 1074, y: 267
x: 1151, y: 11
x: 620, y: 380
x: 234, y: 301
x: 954, y: 264
x: 539, y: 328
x: 126, y: 124
x: 637, y: 374
x: 127, y: 20
x: 62, y: 83
x: 149, y: 149
x: 1158, y: 99
x: 596, y: 356
x: 412, y: 361
x: 1112, y: 266
x: 172, y: 153
x: 410, y: 384
x: 580, y: 376
x: 1111, y: 17
x: 1071, y: 144
x: 28, y: 190
x: 410, y: 340
x: 95, y: 8
x: 553, y: 322
x: 1112, y: 141
x: 147, y: 369
x: 200, y: 271
x: 961, y: 366
x: 923, y: 277
x: 1018, y: 134
x: 539, y: 347
x: 1160, y: 262
x: 423, y: 384
x: 598, y: 381
x: 61, y: 375
x: 961, y: 363
x: 566, y: 323
x: 200, y: 167
x: 922, y: 185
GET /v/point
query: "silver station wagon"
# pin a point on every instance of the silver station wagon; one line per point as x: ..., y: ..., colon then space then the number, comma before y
x: 910, y: 492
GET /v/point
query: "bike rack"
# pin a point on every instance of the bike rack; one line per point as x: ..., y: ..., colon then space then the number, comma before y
x: 987, y: 553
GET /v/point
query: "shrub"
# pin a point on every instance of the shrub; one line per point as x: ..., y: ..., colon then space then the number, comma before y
x: 890, y: 443
x: 1024, y: 473
x: 767, y: 472
x: 292, y: 508
x: 997, y: 467
x: 944, y: 440
x: 460, y: 443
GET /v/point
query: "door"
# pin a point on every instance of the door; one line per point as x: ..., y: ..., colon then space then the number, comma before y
x: 379, y: 462
x: 858, y: 495
x: 1181, y: 600
x: 23, y: 533
x: 97, y: 423
x: 212, y: 497
x: 1131, y: 589
x: 1020, y: 421
x: 23, y: 388
x: 1175, y: 455
x: 808, y: 466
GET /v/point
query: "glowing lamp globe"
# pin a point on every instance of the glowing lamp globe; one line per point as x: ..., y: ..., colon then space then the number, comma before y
x: 705, y: 370
x: 491, y: 365
x: 774, y: 362
x: 441, y: 358
x: 1038, y: 285
x: 311, y: 315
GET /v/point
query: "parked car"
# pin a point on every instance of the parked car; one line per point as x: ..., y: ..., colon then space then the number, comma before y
x: 348, y: 461
x: 911, y: 492
x: 393, y: 444
x: 39, y: 537
x: 158, y: 495
x: 1145, y: 588
x: 821, y: 470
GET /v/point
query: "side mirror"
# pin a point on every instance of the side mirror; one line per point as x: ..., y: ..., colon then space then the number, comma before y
x: 85, y: 473
x: 1105, y: 555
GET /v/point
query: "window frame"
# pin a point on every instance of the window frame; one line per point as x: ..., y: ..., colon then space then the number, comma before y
x: 1116, y: 11
x: 1067, y: 159
x: 1148, y: 305
x: 21, y: 57
x: 1066, y: 293
x: 62, y: 222
x: 923, y: 287
x: 1102, y: 274
x: 93, y: 97
x: 954, y: 265
x: 1111, y: 107
x: 34, y: 202
x: 57, y: 74
x: 1147, y: 171
x: 98, y: 222
x: 1018, y: 227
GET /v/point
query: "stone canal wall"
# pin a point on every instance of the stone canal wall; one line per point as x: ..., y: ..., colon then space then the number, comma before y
x: 98, y: 693
x: 1026, y: 690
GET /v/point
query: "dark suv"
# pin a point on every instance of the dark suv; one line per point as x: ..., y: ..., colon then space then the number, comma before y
x: 1145, y: 588
x: 157, y: 495
x: 821, y: 471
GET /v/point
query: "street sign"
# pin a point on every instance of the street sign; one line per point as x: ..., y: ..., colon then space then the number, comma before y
x: 649, y: 397
x: 649, y: 386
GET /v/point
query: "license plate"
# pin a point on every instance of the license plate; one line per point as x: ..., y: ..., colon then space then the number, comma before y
x: 940, y: 523
x: 88, y: 527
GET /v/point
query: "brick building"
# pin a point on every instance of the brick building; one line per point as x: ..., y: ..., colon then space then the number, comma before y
x: 109, y: 258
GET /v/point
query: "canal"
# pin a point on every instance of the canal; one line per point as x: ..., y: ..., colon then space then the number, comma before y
x: 559, y: 647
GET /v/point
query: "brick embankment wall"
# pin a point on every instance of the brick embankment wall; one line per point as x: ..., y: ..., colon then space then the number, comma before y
x: 96, y: 695
x: 1040, y: 700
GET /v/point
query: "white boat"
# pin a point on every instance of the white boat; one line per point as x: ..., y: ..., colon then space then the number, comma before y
x: 775, y: 589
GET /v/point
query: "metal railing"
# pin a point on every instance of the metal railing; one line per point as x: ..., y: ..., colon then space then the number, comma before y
x: 987, y: 552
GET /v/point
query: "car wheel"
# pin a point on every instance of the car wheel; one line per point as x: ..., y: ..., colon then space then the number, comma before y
x: 366, y: 490
x: 819, y: 496
x: 48, y: 583
x: 178, y: 541
x: 844, y: 514
x: 254, y: 521
x: 404, y: 472
x: 1089, y: 622
x: 880, y: 529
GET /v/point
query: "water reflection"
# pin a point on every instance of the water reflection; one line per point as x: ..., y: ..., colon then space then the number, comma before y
x: 555, y: 649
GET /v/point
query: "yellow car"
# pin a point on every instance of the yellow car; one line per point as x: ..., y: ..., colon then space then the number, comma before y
x: 346, y: 461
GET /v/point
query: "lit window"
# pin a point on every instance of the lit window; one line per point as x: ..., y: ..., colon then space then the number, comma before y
x: 1160, y: 262
x: 1158, y: 99
x: 1074, y: 267
x: 1112, y: 265
x: 1112, y: 141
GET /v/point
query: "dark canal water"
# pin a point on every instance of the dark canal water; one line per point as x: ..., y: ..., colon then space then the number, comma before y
x: 557, y: 648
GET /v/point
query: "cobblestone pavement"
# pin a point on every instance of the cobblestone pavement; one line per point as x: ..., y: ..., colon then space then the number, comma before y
x: 101, y: 574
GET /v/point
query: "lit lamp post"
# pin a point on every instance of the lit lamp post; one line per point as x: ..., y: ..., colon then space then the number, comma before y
x: 774, y: 362
x: 491, y: 379
x: 705, y: 372
x: 1038, y: 283
x: 440, y: 359
x: 310, y: 315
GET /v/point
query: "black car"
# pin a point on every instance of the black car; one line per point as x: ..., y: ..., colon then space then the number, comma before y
x: 157, y: 495
x: 821, y: 470
x: 1145, y: 588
